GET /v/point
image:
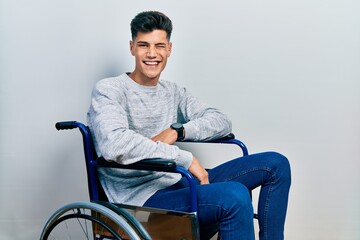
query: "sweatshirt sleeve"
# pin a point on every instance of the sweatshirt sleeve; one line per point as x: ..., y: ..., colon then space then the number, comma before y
x: 113, y: 139
x: 202, y: 122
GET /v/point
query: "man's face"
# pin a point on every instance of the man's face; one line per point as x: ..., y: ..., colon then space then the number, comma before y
x: 151, y: 51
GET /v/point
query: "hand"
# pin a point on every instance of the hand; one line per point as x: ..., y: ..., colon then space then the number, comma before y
x: 199, y: 172
x: 168, y: 136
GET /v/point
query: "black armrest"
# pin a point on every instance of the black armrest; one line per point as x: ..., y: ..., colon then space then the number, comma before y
x: 156, y: 164
x: 227, y: 137
x: 230, y: 136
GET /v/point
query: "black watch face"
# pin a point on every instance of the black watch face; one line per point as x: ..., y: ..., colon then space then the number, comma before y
x: 177, y: 125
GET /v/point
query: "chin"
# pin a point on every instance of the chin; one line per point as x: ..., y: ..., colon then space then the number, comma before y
x: 153, y: 76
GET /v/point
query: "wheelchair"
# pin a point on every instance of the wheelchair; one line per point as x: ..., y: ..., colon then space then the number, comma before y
x: 100, y: 219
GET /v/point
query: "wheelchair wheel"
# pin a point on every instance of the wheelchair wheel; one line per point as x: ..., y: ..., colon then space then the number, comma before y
x: 86, y: 220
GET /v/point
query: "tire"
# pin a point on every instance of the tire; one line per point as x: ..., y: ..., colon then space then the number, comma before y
x: 86, y: 220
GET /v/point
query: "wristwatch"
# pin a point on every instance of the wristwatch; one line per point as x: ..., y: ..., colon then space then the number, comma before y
x: 179, y: 128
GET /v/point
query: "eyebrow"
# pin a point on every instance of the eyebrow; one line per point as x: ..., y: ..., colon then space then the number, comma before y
x: 144, y: 42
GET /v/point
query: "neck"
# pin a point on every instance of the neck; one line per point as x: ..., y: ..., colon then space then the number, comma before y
x: 143, y: 80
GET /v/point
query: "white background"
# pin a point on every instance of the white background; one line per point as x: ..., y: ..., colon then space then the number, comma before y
x: 286, y: 72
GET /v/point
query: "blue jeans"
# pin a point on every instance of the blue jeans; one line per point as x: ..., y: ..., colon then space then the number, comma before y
x: 225, y: 205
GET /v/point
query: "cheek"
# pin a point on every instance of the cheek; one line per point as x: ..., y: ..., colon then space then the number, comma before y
x: 138, y: 57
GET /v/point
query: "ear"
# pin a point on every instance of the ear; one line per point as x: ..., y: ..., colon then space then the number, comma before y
x: 170, y: 48
x: 132, y: 48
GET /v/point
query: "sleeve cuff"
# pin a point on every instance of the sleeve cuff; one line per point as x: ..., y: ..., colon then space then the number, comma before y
x: 190, y: 131
x: 184, y: 159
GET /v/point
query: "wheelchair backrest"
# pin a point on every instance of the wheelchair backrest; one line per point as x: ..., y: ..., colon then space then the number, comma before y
x: 96, y: 192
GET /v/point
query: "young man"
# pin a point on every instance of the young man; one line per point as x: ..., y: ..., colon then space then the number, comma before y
x: 137, y: 115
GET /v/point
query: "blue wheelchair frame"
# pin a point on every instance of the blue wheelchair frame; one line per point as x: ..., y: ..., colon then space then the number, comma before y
x: 93, y: 162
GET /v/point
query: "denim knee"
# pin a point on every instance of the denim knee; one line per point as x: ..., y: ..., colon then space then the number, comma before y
x: 280, y: 166
x: 235, y: 195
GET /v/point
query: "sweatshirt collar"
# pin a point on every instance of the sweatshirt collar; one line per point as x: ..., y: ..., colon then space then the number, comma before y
x: 139, y: 86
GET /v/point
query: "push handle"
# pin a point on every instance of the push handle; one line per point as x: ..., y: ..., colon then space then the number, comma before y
x: 66, y: 125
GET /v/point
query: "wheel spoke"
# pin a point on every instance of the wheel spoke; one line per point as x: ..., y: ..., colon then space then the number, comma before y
x: 86, y: 221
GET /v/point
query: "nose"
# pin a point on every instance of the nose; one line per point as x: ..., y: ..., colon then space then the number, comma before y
x: 151, y: 53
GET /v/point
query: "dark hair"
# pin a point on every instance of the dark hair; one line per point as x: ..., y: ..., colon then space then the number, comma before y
x: 149, y: 21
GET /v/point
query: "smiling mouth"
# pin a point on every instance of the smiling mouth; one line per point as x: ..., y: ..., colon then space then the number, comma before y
x: 151, y: 63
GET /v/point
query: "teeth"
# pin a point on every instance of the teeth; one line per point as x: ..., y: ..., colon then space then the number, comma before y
x: 151, y: 63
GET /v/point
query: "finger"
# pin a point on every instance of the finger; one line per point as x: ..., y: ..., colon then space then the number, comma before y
x: 204, y: 182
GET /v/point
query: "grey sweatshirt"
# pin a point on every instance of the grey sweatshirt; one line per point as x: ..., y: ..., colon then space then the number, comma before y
x: 124, y: 115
